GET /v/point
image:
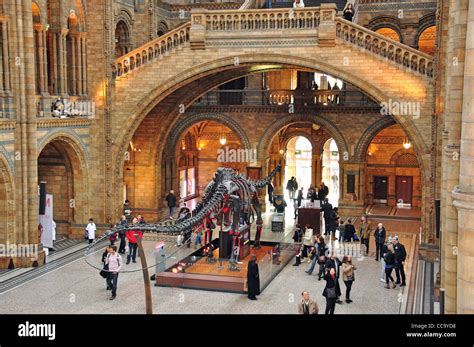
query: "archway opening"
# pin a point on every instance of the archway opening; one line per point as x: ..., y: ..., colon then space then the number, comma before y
x: 393, y: 176
x: 299, y: 154
x: 60, y: 168
x: 4, y: 217
x: 330, y: 174
x: 122, y: 39
x: 427, y: 40
x: 390, y: 33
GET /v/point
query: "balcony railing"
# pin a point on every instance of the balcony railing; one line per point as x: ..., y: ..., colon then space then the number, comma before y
x: 256, y: 19
x: 286, y: 97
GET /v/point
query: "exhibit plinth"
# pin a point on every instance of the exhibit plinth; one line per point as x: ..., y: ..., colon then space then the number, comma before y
x: 214, y: 273
x: 310, y: 216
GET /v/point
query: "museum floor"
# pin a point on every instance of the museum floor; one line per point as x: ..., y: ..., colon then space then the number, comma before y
x: 75, y: 287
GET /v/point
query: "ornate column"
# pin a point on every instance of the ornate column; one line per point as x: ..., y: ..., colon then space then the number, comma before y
x: 464, y: 195
x: 452, y: 117
x: 83, y: 65
x: 6, y: 63
x: 44, y: 60
x: 63, y: 61
x: 351, y: 188
x: 73, y: 75
x: 39, y: 33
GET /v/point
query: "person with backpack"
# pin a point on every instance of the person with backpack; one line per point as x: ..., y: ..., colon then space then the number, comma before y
x: 171, y: 200
x: 389, y: 266
x: 123, y: 222
x: 114, y: 262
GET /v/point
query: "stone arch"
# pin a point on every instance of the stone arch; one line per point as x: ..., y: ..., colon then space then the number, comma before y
x: 294, y: 134
x: 7, y: 201
x: 390, y: 22
x: 73, y: 151
x: 425, y: 22
x: 123, y: 37
x: 361, y: 147
x: 37, y: 15
x: 268, y: 135
x: 162, y: 28
x: 185, y: 123
x: 145, y: 104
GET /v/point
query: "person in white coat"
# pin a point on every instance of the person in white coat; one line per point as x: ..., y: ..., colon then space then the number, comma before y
x: 53, y: 233
x: 91, y: 229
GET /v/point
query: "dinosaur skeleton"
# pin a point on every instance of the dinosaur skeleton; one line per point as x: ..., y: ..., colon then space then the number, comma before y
x: 227, y: 185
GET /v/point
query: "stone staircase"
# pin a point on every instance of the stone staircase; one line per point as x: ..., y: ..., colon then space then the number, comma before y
x: 237, y: 24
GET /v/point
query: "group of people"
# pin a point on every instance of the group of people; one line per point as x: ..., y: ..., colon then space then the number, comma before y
x: 347, y: 14
x: 389, y: 251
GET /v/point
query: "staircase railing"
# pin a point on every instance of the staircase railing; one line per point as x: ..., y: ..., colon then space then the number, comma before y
x: 152, y: 50
x: 258, y: 19
x: 384, y: 47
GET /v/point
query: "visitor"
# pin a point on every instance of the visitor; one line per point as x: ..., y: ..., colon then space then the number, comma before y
x: 335, y: 95
x: 322, y: 250
x: 253, y: 280
x: 270, y: 192
x: 292, y: 187
x: 348, y: 12
x: 198, y: 240
x: 113, y: 237
x: 141, y: 220
x: 127, y: 211
x: 105, y: 267
x: 379, y: 236
x: 132, y: 242
x: 122, y: 223
x: 326, y: 208
x: 400, y: 257
x: 184, y: 212
x: 114, y: 262
x: 298, y: 234
x: 171, y: 200
x: 331, y: 290
x: 323, y: 192
x: 298, y: 256
x: 389, y: 265
x: 298, y: 4
x: 334, y: 263
x: 349, y: 231
x: 180, y: 239
x: 90, y: 230
x: 365, y: 231
x: 307, y: 305
x: 341, y: 228
x: 348, y: 275
x: 308, y: 241
x: 382, y: 257
x: 300, y: 196
x: 53, y: 234
x: 333, y: 222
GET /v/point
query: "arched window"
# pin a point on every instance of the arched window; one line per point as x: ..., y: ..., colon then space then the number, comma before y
x: 122, y: 39
x: 427, y: 40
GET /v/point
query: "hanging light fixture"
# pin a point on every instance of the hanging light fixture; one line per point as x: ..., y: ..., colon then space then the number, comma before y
x: 406, y: 143
x: 222, y: 139
x: 282, y: 151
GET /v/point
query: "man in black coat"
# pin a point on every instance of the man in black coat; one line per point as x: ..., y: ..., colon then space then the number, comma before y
x: 349, y: 231
x: 331, y: 291
x: 326, y: 208
x: 323, y: 192
x: 334, y: 263
x: 400, y: 257
x: 171, y: 200
x: 253, y: 279
x: 380, y: 235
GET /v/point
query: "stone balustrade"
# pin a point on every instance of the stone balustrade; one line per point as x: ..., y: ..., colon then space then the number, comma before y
x: 257, y: 19
x: 152, y: 50
x: 382, y: 46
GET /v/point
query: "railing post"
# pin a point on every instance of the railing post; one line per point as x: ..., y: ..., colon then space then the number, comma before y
x: 197, y: 34
x: 327, y: 26
x: 441, y: 300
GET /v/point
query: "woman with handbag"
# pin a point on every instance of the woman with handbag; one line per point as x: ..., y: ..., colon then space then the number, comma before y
x: 331, y: 290
x: 348, y: 275
x: 104, y: 273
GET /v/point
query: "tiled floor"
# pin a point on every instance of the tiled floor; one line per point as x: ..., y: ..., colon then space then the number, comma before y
x: 78, y: 288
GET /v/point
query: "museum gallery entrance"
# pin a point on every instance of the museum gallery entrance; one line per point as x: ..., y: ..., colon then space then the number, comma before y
x: 381, y: 189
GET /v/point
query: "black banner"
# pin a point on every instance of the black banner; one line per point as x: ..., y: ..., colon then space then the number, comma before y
x: 337, y: 330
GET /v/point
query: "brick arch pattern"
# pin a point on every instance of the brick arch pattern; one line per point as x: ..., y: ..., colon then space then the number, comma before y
x: 424, y: 23
x: 406, y: 157
x: 78, y: 160
x: 185, y: 123
x: 380, y: 22
x: 7, y: 201
x: 361, y: 147
x: 268, y: 135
